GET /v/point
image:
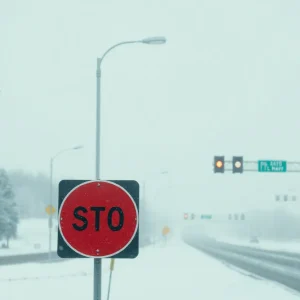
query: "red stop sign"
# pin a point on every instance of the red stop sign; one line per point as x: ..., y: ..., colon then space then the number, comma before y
x: 98, y: 219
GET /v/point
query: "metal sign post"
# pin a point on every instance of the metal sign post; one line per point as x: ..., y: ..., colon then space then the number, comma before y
x: 97, y: 278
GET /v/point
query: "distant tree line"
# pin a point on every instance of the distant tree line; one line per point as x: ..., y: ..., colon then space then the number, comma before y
x: 9, y: 217
x: 32, y: 193
x: 31, y: 196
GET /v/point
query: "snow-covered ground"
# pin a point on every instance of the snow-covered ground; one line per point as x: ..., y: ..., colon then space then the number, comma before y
x: 33, y: 237
x: 164, y: 271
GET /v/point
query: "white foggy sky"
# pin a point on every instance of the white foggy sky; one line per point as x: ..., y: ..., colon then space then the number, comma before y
x: 226, y: 83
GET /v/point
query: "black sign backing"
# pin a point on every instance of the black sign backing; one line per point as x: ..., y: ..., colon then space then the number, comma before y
x: 65, y: 186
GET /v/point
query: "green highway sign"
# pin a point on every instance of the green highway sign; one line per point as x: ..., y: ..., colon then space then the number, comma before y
x: 272, y: 166
x: 206, y: 217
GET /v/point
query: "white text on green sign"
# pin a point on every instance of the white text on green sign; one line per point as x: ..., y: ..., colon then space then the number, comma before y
x: 272, y: 166
x: 207, y: 217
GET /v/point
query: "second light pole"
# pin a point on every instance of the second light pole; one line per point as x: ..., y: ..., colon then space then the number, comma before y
x: 150, y: 41
x: 51, y: 200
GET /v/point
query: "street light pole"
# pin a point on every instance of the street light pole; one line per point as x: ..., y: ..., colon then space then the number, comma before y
x: 151, y: 40
x: 50, y: 220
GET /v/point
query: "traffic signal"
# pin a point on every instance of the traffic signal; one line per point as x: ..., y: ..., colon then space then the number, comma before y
x: 192, y: 216
x: 237, y: 164
x: 242, y: 217
x: 185, y: 216
x: 219, y: 164
x: 229, y: 217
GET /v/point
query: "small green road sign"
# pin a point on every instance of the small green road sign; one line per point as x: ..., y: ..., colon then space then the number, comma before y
x: 206, y: 217
x: 272, y: 166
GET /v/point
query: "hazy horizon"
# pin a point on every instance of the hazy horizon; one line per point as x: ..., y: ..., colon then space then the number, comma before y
x: 225, y: 83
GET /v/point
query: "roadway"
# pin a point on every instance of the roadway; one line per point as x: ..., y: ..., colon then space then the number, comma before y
x: 278, y: 266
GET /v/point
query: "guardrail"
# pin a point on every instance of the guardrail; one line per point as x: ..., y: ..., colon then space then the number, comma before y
x: 38, y: 257
x: 26, y: 258
x: 278, y: 266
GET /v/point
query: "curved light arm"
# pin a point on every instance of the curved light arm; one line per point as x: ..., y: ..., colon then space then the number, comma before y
x: 115, y: 46
x: 155, y: 40
x: 60, y: 152
x: 64, y: 150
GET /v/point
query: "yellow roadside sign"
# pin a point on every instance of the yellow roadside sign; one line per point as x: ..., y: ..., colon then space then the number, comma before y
x: 166, y: 230
x: 50, y: 210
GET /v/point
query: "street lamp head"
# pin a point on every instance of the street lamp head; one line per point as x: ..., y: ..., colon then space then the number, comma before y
x: 77, y: 147
x: 155, y: 40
